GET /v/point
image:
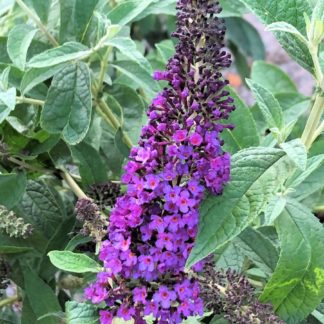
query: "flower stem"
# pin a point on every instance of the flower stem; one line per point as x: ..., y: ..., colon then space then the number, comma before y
x: 104, y: 66
x: 113, y: 121
x: 310, y: 131
x: 73, y: 185
x: 9, y: 301
x: 38, y: 22
x: 31, y: 101
x: 25, y: 165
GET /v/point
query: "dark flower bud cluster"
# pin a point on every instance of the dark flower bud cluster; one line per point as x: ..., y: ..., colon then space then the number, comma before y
x: 13, y: 225
x: 179, y: 155
x: 105, y: 194
x: 232, y: 295
x: 94, y: 222
x: 4, y: 272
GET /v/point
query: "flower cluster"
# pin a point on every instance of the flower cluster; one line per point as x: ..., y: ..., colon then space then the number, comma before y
x: 153, y: 226
x: 13, y: 225
x: 94, y: 223
x: 104, y: 194
x: 231, y: 295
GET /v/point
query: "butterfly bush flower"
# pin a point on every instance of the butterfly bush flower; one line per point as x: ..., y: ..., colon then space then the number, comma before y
x: 179, y: 156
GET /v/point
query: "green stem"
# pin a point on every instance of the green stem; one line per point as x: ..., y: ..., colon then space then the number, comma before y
x: 38, y: 22
x: 31, y: 101
x: 319, y: 209
x: 9, y: 301
x: 27, y: 166
x: 113, y: 121
x: 313, y: 49
x: 103, y: 69
x: 313, y: 121
x: 73, y: 185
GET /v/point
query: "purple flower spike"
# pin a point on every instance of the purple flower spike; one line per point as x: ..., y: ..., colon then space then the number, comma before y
x: 179, y: 157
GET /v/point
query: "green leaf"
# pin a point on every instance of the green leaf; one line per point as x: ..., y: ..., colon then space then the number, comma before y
x: 297, y: 152
x: 310, y: 185
x: 166, y: 50
x: 14, y: 249
x: 67, y: 52
x: 255, y: 176
x: 81, y: 313
x: 73, y: 262
x: 234, y: 8
x: 77, y: 240
x: 165, y: 7
x: 245, y: 133
x: 245, y: 37
x: 299, y: 275
x: 259, y: 249
x: 127, y: 10
x: 75, y: 18
x: 19, y: 40
x: 42, y: 8
x: 42, y: 208
x: 272, y: 78
x: 140, y: 75
x: 7, y: 103
x: 287, y: 28
x: 12, y: 188
x: 299, y: 176
x: 132, y: 109
x: 68, y: 105
x: 268, y: 104
x: 291, y: 12
x: 230, y: 257
x: 33, y: 77
x: 128, y: 48
x: 92, y: 169
x: 274, y: 209
x: 41, y: 297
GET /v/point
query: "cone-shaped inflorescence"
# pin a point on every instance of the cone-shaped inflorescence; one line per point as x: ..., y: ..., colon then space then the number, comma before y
x: 179, y: 155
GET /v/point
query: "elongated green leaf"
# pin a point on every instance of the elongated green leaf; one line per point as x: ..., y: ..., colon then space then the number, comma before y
x: 141, y: 76
x: 297, y: 152
x: 288, y: 11
x: 19, y: 40
x: 230, y: 257
x: 41, y: 297
x: 132, y: 109
x: 287, y: 28
x: 166, y: 50
x: 268, y: 104
x: 272, y: 78
x: 234, y: 8
x: 68, y: 104
x: 259, y: 249
x: 274, y: 209
x: 75, y: 18
x: 245, y: 133
x: 166, y: 7
x: 299, y: 176
x: 65, y: 53
x: 245, y: 37
x: 255, y: 176
x: 42, y: 8
x: 77, y: 240
x: 92, y: 169
x: 73, y: 262
x: 127, y: 10
x: 7, y: 103
x: 299, y: 275
x: 14, y: 249
x: 33, y: 77
x: 81, y: 313
x: 12, y: 188
x: 42, y: 208
x: 128, y: 48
